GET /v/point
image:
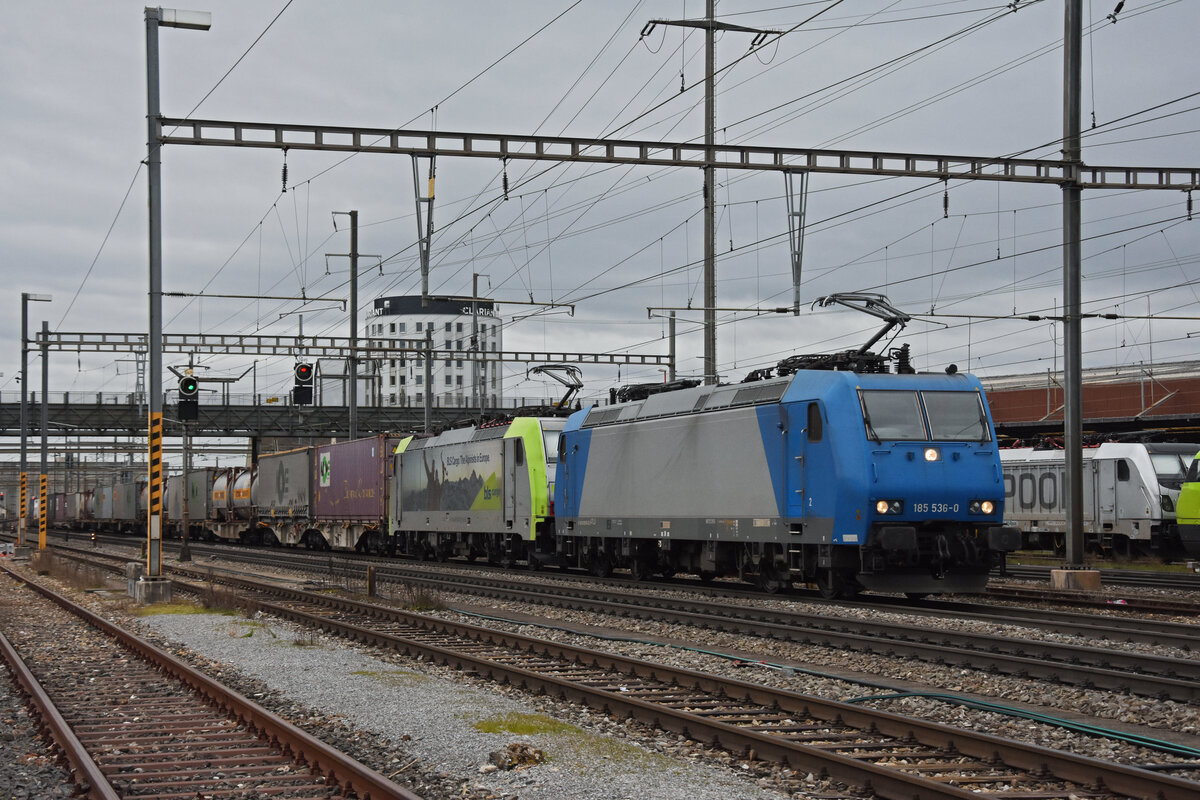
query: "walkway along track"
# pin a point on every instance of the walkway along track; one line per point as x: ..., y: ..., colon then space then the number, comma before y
x: 132, y: 721
x: 883, y: 754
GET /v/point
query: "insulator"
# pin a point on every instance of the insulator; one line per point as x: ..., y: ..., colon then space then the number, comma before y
x: 506, y: 184
x: 1189, y: 205
x: 946, y: 203
x: 284, y: 172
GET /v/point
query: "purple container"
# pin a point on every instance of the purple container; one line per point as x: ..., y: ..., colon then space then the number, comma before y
x: 351, y: 479
x: 58, y: 511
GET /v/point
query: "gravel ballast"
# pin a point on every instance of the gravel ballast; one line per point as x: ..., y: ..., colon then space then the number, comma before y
x: 443, y: 722
x: 28, y: 769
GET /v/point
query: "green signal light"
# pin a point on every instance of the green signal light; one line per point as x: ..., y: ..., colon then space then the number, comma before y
x: 188, y: 386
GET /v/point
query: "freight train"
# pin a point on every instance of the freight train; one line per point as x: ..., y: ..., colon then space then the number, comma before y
x: 1130, y: 495
x: 834, y: 471
x: 850, y: 481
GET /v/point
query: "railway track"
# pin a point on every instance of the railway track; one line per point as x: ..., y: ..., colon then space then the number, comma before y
x: 997, y: 589
x: 875, y: 752
x: 1087, y: 665
x: 133, y: 721
x: 1151, y: 579
x: 1074, y: 664
x: 1146, y: 605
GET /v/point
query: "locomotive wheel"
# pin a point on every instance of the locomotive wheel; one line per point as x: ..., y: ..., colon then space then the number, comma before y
x: 832, y: 584
x: 640, y: 568
x: 771, y: 579
x: 1122, y: 547
x: 770, y: 584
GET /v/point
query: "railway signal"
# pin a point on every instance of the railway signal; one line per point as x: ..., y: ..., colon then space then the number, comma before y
x: 189, y: 403
x: 302, y: 392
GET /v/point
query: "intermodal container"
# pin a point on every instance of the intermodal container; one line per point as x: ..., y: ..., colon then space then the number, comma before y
x: 284, y: 481
x: 351, y: 479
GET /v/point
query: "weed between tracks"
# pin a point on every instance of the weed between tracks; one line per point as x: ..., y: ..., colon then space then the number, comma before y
x: 416, y: 598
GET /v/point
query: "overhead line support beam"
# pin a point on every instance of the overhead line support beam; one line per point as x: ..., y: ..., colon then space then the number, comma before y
x: 320, y: 346
x: 217, y: 133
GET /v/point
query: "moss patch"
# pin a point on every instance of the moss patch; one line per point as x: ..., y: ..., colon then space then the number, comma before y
x: 394, y: 677
x: 524, y: 725
x: 171, y: 608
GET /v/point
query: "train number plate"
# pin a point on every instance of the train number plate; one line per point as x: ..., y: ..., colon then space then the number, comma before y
x: 935, y: 508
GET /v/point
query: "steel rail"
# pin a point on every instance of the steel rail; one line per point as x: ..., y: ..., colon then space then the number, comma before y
x: 85, y: 769
x: 1098, y: 627
x: 1037, y: 761
x: 1095, y: 667
x: 1104, y: 668
x: 1149, y: 605
x: 321, y: 758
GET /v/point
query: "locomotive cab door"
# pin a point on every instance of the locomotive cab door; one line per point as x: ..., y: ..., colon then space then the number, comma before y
x: 1105, y: 494
x: 798, y: 452
x: 514, y: 470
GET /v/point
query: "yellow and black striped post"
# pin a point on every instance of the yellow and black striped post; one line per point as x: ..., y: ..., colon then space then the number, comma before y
x: 155, y: 494
x: 24, y: 520
x: 43, y: 513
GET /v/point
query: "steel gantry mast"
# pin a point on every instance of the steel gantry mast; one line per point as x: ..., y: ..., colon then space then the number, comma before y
x: 1072, y: 272
x: 156, y: 587
x: 710, y: 27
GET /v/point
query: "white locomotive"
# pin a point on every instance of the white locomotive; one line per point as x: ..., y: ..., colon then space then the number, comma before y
x: 1129, y: 496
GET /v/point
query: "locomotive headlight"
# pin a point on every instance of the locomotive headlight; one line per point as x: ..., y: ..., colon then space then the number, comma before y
x: 933, y: 454
x: 889, y: 506
x: 1167, y: 503
x: 981, y: 507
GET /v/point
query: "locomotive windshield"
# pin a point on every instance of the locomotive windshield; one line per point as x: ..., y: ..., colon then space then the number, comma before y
x: 956, y: 416
x: 893, y: 415
x: 945, y: 416
x: 1170, y: 468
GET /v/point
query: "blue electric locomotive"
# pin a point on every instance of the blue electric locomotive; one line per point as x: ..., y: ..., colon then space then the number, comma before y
x: 887, y: 482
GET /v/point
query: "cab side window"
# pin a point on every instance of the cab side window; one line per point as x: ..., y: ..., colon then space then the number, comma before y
x: 1122, y: 470
x: 815, y: 428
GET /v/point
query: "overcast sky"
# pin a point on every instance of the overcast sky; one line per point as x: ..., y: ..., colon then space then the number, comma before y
x: 926, y: 76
